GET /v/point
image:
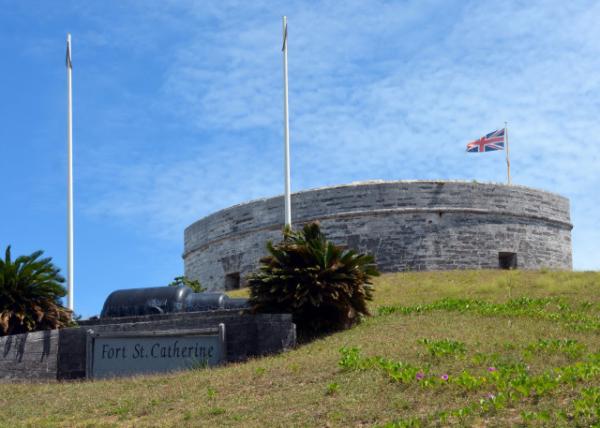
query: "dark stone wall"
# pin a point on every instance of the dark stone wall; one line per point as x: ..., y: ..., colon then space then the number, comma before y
x: 29, y: 356
x: 61, y: 354
x: 247, y: 335
x: 71, y: 362
x: 406, y: 225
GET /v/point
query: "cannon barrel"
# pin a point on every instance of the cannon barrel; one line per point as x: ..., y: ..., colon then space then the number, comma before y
x: 161, y: 300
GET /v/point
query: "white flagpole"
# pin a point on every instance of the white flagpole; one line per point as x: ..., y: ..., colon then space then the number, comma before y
x: 507, y: 153
x: 69, y: 180
x: 286, y: 129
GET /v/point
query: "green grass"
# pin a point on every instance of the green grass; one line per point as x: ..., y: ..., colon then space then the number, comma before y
x: 461, y: 348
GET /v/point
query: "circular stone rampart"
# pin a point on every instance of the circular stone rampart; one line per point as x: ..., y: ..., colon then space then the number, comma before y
x: 406, y: 225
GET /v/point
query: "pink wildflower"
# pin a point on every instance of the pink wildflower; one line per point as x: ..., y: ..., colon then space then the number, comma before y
x: 491, y: 369
x: 444, y: 377
x: 420, y: 376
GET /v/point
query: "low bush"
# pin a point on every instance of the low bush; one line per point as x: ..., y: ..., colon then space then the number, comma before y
x: 184, y: 281
x: 324, y: 286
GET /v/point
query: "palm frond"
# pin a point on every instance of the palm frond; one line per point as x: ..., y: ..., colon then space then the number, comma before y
x: 30, y: 292
x: 324, y: 286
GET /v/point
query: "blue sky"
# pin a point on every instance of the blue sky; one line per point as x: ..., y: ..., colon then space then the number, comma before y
x: 178, y: 113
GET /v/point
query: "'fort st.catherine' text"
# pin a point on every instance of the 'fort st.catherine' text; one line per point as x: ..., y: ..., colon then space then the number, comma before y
x: 156, y: 350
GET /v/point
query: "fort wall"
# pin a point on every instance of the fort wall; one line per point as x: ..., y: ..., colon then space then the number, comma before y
x: 406, y: 225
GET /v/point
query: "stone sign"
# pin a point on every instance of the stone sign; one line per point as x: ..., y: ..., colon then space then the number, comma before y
x: 127, y: 353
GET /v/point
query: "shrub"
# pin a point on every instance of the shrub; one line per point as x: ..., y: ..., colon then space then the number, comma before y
x: 324, y: 286
x: 194, y: 284
x: 30, y: 292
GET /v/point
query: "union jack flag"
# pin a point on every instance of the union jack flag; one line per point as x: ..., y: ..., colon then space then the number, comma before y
x: 489, y: 143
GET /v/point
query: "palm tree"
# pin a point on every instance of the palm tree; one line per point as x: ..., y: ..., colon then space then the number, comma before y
x: 324, y: 286
x: 30, y: 292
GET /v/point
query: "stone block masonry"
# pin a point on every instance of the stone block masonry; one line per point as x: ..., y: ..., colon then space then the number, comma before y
x: 43, y: 355
x: 246, y: 335
x: 61, y: 354
x: 29, y: 356
x: 406, y: 225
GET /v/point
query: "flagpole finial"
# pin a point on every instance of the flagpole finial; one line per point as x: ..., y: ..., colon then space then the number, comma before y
x: 69, y: 63
x: 284, y: 33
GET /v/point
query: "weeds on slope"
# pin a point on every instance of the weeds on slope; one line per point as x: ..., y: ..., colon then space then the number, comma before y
x: 549, y: 309
x: 496, y: 387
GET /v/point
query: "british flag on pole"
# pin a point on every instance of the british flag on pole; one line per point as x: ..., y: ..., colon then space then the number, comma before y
x: 488, y: 143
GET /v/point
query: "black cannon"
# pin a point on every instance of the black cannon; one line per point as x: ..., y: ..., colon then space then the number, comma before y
x: 162, y: 300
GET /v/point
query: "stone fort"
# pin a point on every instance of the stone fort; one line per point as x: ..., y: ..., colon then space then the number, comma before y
x: 406, y: 225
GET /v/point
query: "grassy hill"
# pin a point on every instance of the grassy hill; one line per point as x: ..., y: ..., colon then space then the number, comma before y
x: 474, y: 348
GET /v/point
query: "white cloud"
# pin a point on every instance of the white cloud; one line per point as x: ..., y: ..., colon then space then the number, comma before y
x: 377, y: 90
